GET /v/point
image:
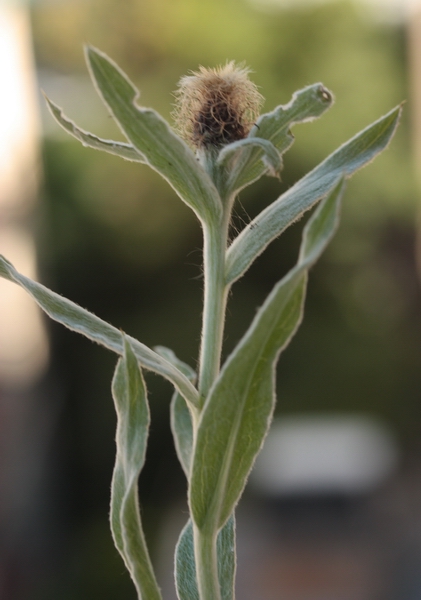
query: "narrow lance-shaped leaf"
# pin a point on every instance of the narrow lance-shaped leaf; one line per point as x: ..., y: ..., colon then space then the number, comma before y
x: 185, y: 566
x: 231, y: 153
x: 90, y: 140
x: 306, y: 104
x: 270, y: 223
x: 181, y: 416
x: 151, y: 135
x: 238, y: 411
x: 82, y: 321
x: 182, y: 430
x: 132, y: 410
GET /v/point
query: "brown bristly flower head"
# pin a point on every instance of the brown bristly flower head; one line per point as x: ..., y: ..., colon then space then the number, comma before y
x: 217, y: 106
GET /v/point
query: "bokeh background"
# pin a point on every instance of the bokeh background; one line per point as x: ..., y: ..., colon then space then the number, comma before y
x: 113, y: 237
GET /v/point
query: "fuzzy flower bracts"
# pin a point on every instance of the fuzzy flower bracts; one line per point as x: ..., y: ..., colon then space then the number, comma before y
x: 215, y: 107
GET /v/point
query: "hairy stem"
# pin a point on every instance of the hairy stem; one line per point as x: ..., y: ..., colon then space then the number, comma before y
x: 215, y: 239
x: 215, y: 299
x: 206, y: 564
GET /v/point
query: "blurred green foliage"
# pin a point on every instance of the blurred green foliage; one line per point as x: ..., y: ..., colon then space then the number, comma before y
x: 115, y: 239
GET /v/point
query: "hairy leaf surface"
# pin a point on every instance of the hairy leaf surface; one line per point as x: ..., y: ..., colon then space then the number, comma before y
x: 270, y: 223
x: 185, y: 566
x: 78, y: 319
x: 181, y: 417
x: 238, y: 411
x: 305, y: 105
x: 229, y: 156
x: 89, y: 140
x: 151, y: 135
x: 129, y: 394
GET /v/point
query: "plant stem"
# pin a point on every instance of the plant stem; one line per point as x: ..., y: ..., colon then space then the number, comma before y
x: 215, y: 297
x: 215, y: 236
x: 206, y: 564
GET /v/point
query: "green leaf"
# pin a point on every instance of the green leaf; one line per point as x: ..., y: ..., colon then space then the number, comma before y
x: 185, y: 566
x: 151, y: 135
x: 232, y: 153
x: 238, y: 411
x: 305, y: 105
x: 270, y: 223
x: 90, y: 140
x: 129, y: 394
x: 182, y: 430
x: 80, y: 320
x: 171, y: 357
x: 181, y: 417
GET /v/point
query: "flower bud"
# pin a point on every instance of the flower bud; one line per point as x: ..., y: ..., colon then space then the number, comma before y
x: 215, y: 107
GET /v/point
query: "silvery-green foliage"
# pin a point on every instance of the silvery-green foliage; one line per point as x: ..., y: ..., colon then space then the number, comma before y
x: 185, y: 567
x: 237, y: 413
x: 219, y: 433
x: 82, y: 321
x: 181, y: 416
x: 129, y: 393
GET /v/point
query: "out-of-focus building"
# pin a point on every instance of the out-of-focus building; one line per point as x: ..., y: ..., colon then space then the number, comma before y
x: 317, y: 535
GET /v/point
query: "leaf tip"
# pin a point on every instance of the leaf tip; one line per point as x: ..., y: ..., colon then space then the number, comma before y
x: 54, y: 109
x: 93, y: 55
x: 396, y: 113
x: 89, y: 50
x: 324, y: 96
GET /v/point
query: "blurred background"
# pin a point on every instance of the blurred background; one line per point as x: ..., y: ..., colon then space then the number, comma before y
x: 333, y: 511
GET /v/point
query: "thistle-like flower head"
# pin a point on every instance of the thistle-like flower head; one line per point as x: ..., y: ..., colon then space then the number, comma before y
x: 218, y: 106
